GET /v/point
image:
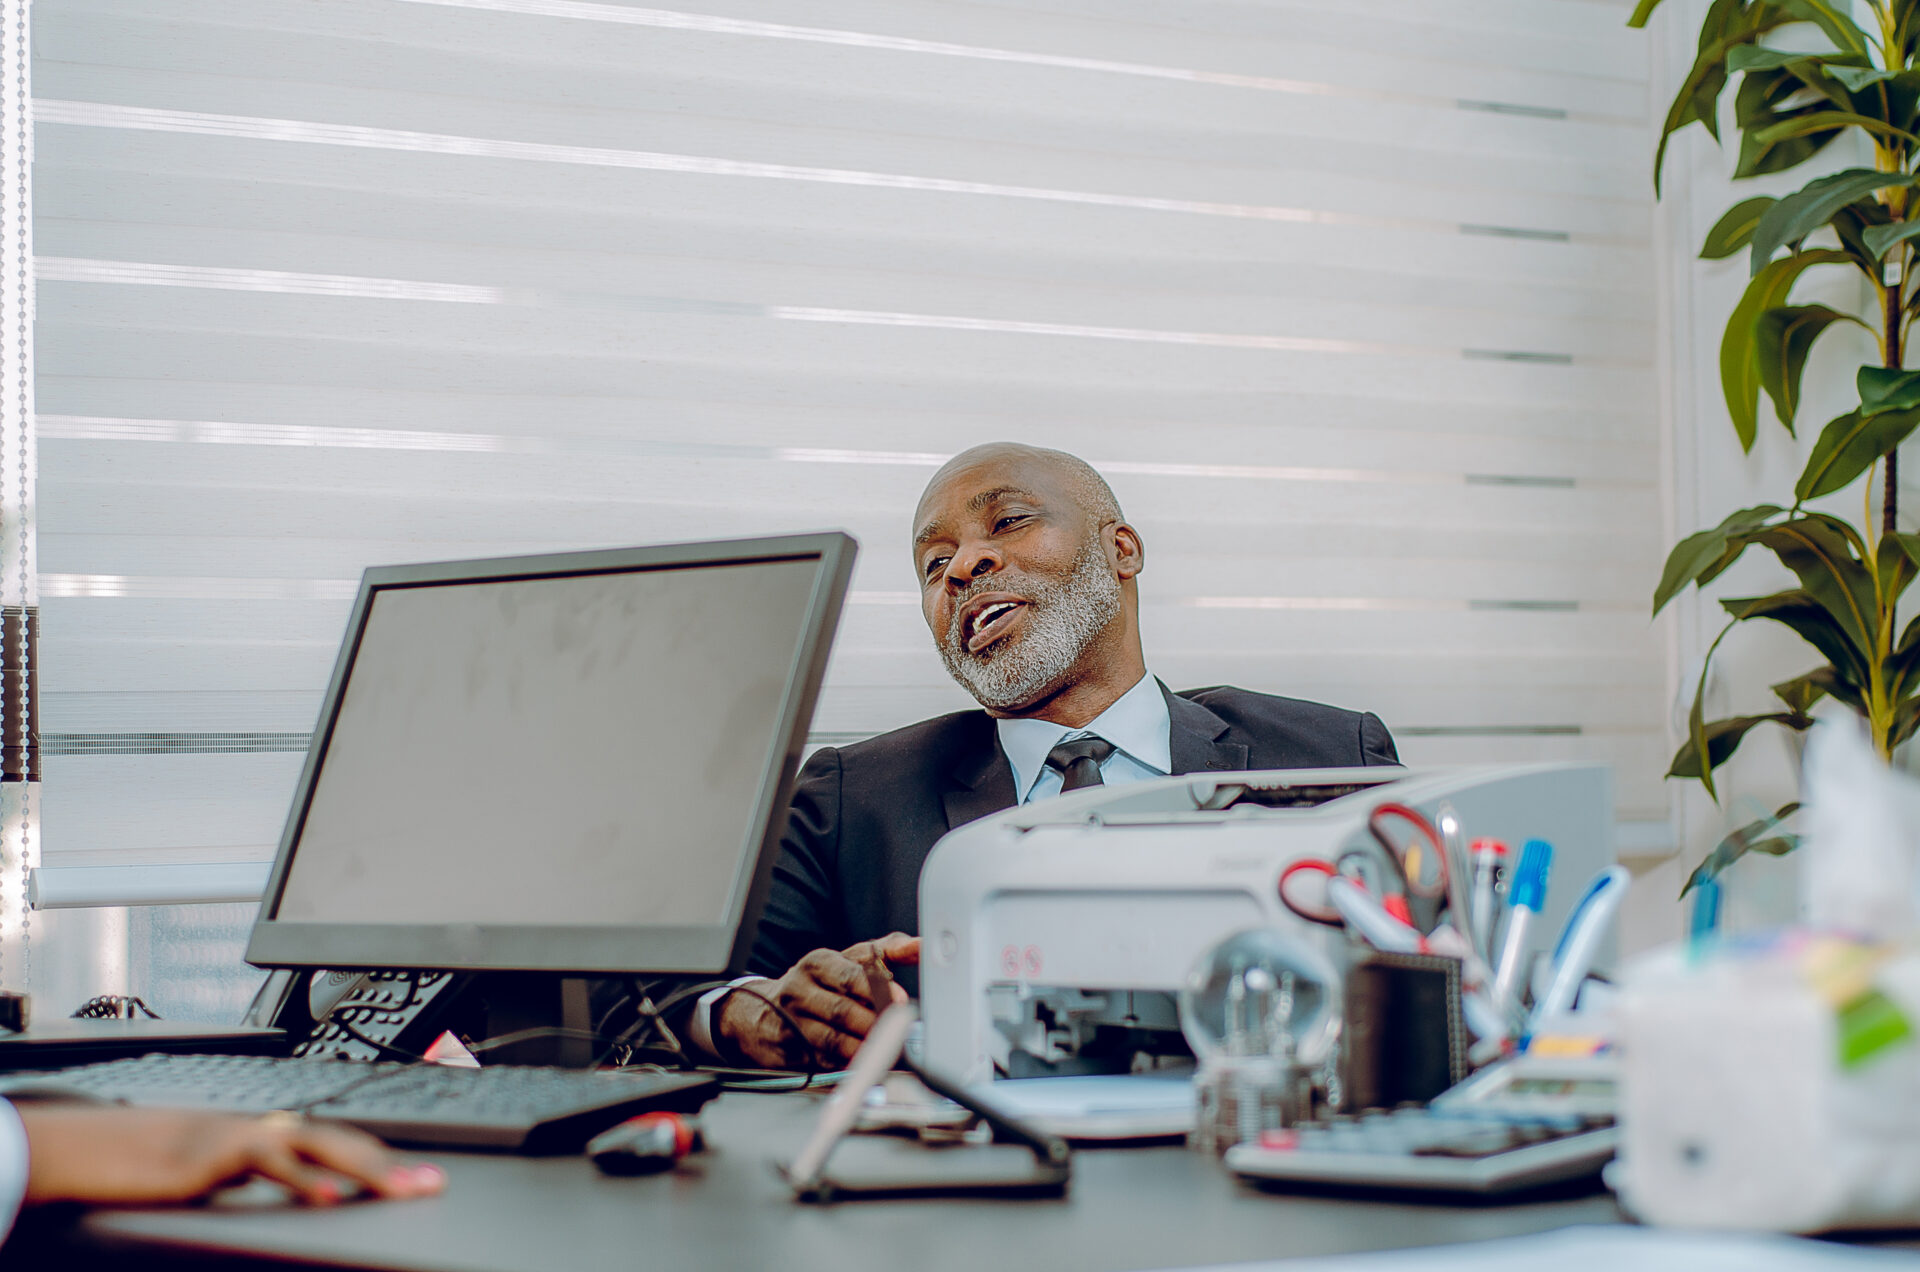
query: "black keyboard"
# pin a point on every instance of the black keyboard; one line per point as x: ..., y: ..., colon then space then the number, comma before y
x: 520, y: 1108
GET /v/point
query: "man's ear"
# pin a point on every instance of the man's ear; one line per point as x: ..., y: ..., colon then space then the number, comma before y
x: 1125, y: 550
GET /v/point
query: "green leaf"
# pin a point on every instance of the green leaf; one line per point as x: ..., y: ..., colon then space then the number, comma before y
x: 1801, y: 613
x: 1810, y: 207
x: 1909, y: 643
x: 1751, y: 837
x: 1831, y: 121
x: 1881, y: 237
x: 1903, y: 678
x: 1893, y: 99
x: 1837, y: 687
x: 1735, y: 230
x: 1697, y: 737
x: 1799, y: 694
x: 1729, y: 24
x: 1893, y: 563
x: 1819, y: 549
x: 1752, y: 57
x: 1901, y: 52
x: 1701, y: 551
x: 1849, y: 446
x: 1902, y: 665
x: 1884, y: 389
x: 1851, y: 223
x: 1770, y: 97
x: 1831, y: 18
x: 1905, y: 719
x: 1739, y: 367
x: 1860, y: 78
x: 1642, y: 11
x: 1724, y: 738
x: 1781, y: 342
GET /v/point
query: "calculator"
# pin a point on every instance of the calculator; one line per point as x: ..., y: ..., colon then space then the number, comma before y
x: 1522, y: 1123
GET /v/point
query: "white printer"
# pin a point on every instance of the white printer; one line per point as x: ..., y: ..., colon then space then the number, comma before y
x: 1053, y: 924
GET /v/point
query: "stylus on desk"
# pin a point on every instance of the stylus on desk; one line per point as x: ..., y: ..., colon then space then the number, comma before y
x: 870, y: 1064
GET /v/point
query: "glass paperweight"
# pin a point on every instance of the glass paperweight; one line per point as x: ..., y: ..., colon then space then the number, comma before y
x: 1261, y: 1012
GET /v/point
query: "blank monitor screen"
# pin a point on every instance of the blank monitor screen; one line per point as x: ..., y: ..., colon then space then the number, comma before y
x: 568, y: 770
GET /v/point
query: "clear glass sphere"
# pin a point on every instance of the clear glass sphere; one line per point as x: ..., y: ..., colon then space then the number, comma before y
x: 1261, y: 992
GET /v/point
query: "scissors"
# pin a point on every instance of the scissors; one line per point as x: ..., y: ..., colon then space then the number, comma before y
x: 1386, y: 869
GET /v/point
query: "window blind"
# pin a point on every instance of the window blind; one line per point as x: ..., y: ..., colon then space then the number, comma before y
x: 1353, y: 305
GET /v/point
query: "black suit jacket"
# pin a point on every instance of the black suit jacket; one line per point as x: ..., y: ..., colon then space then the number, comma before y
x: 864, y: 817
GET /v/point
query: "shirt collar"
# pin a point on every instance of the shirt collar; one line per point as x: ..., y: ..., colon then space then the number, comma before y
x: 1136, y: 723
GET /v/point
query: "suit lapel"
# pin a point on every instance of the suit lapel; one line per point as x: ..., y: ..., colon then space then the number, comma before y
x: 983, y: 780
x: 1195, y: 736
x: 982, y: 777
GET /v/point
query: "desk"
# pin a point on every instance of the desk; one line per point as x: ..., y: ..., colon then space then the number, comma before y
x: 1130, y: 1208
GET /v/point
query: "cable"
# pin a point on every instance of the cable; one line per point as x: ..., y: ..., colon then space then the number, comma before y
x: 540, y: 1031
x: 381, y: 1048
x: 114, y: 1007
x: 647, y: 1021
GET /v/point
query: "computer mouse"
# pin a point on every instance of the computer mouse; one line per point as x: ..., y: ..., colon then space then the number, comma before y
x: 646, y: 1144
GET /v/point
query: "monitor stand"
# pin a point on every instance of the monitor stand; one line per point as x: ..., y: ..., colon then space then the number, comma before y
x: 514, y: 1002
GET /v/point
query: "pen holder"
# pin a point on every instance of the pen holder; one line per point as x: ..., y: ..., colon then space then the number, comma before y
x: 1404, y: 1039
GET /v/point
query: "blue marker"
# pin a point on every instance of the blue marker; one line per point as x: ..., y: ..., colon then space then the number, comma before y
x: 1580, y: 941
x: 1706, y: 916
x: 1525, y: 899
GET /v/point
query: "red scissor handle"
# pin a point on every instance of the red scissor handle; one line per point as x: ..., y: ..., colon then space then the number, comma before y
x: 1323, y: 914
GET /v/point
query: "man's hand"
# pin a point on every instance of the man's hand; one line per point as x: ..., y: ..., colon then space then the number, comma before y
x: 833, y: 995
x: 109, y: 1156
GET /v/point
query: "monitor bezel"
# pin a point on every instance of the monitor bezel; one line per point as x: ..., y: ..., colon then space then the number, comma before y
x: 690, y: 949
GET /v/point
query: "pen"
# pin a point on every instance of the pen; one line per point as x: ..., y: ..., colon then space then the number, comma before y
x: 1459, y: 880
x: 1370, y: 919
x: 1525, y: 897
x: 1486, y: 868
x: 1580, y: 941
x: 1706, y: 916
x: 1706, y: 910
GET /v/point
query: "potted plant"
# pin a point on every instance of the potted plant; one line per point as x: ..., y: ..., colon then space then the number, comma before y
x: 1807, y: 74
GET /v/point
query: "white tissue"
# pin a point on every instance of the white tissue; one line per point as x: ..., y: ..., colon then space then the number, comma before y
x: 1862, y: 825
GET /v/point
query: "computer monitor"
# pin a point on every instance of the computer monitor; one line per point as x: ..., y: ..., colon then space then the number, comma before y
x: 571, y: 763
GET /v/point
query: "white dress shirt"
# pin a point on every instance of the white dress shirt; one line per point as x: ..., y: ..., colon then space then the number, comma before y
x: 1142, y: 735
x: 13, y: 1166
x: 1137, y: 724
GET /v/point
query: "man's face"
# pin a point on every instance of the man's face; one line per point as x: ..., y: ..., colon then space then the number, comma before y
x: 1016, y: 585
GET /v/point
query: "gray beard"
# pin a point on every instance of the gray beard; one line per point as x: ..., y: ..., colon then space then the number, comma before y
x: 1062, y: 620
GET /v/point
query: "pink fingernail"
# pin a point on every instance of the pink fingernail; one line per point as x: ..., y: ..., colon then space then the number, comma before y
x: 326, y: 1193
x: 425, y: 1176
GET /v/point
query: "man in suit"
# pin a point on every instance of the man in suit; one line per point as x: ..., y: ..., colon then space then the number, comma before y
x: 1028, y: 583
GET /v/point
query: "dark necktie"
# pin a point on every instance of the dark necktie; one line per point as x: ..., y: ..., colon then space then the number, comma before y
x: 1078, y: 762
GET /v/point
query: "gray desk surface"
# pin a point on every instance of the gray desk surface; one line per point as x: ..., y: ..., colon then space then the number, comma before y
x: 1129, y: 1208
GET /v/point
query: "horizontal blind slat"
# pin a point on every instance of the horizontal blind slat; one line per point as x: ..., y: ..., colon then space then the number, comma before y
x: 1355, y: 307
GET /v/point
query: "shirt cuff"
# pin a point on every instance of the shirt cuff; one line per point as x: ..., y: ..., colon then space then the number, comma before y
x: 700, y: 1025
x: 13, y: 1166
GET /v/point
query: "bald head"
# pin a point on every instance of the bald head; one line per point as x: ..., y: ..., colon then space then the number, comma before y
x: 1068, y: 473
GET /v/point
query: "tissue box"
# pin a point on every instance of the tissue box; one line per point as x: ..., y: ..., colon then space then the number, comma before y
x: 1772, y: 1084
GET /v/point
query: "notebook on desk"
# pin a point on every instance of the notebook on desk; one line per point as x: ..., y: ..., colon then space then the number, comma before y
x: 59, y: 1043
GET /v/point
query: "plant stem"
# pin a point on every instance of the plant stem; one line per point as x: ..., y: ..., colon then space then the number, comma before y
x: 1891, y: 295
x: 1890, y: 504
